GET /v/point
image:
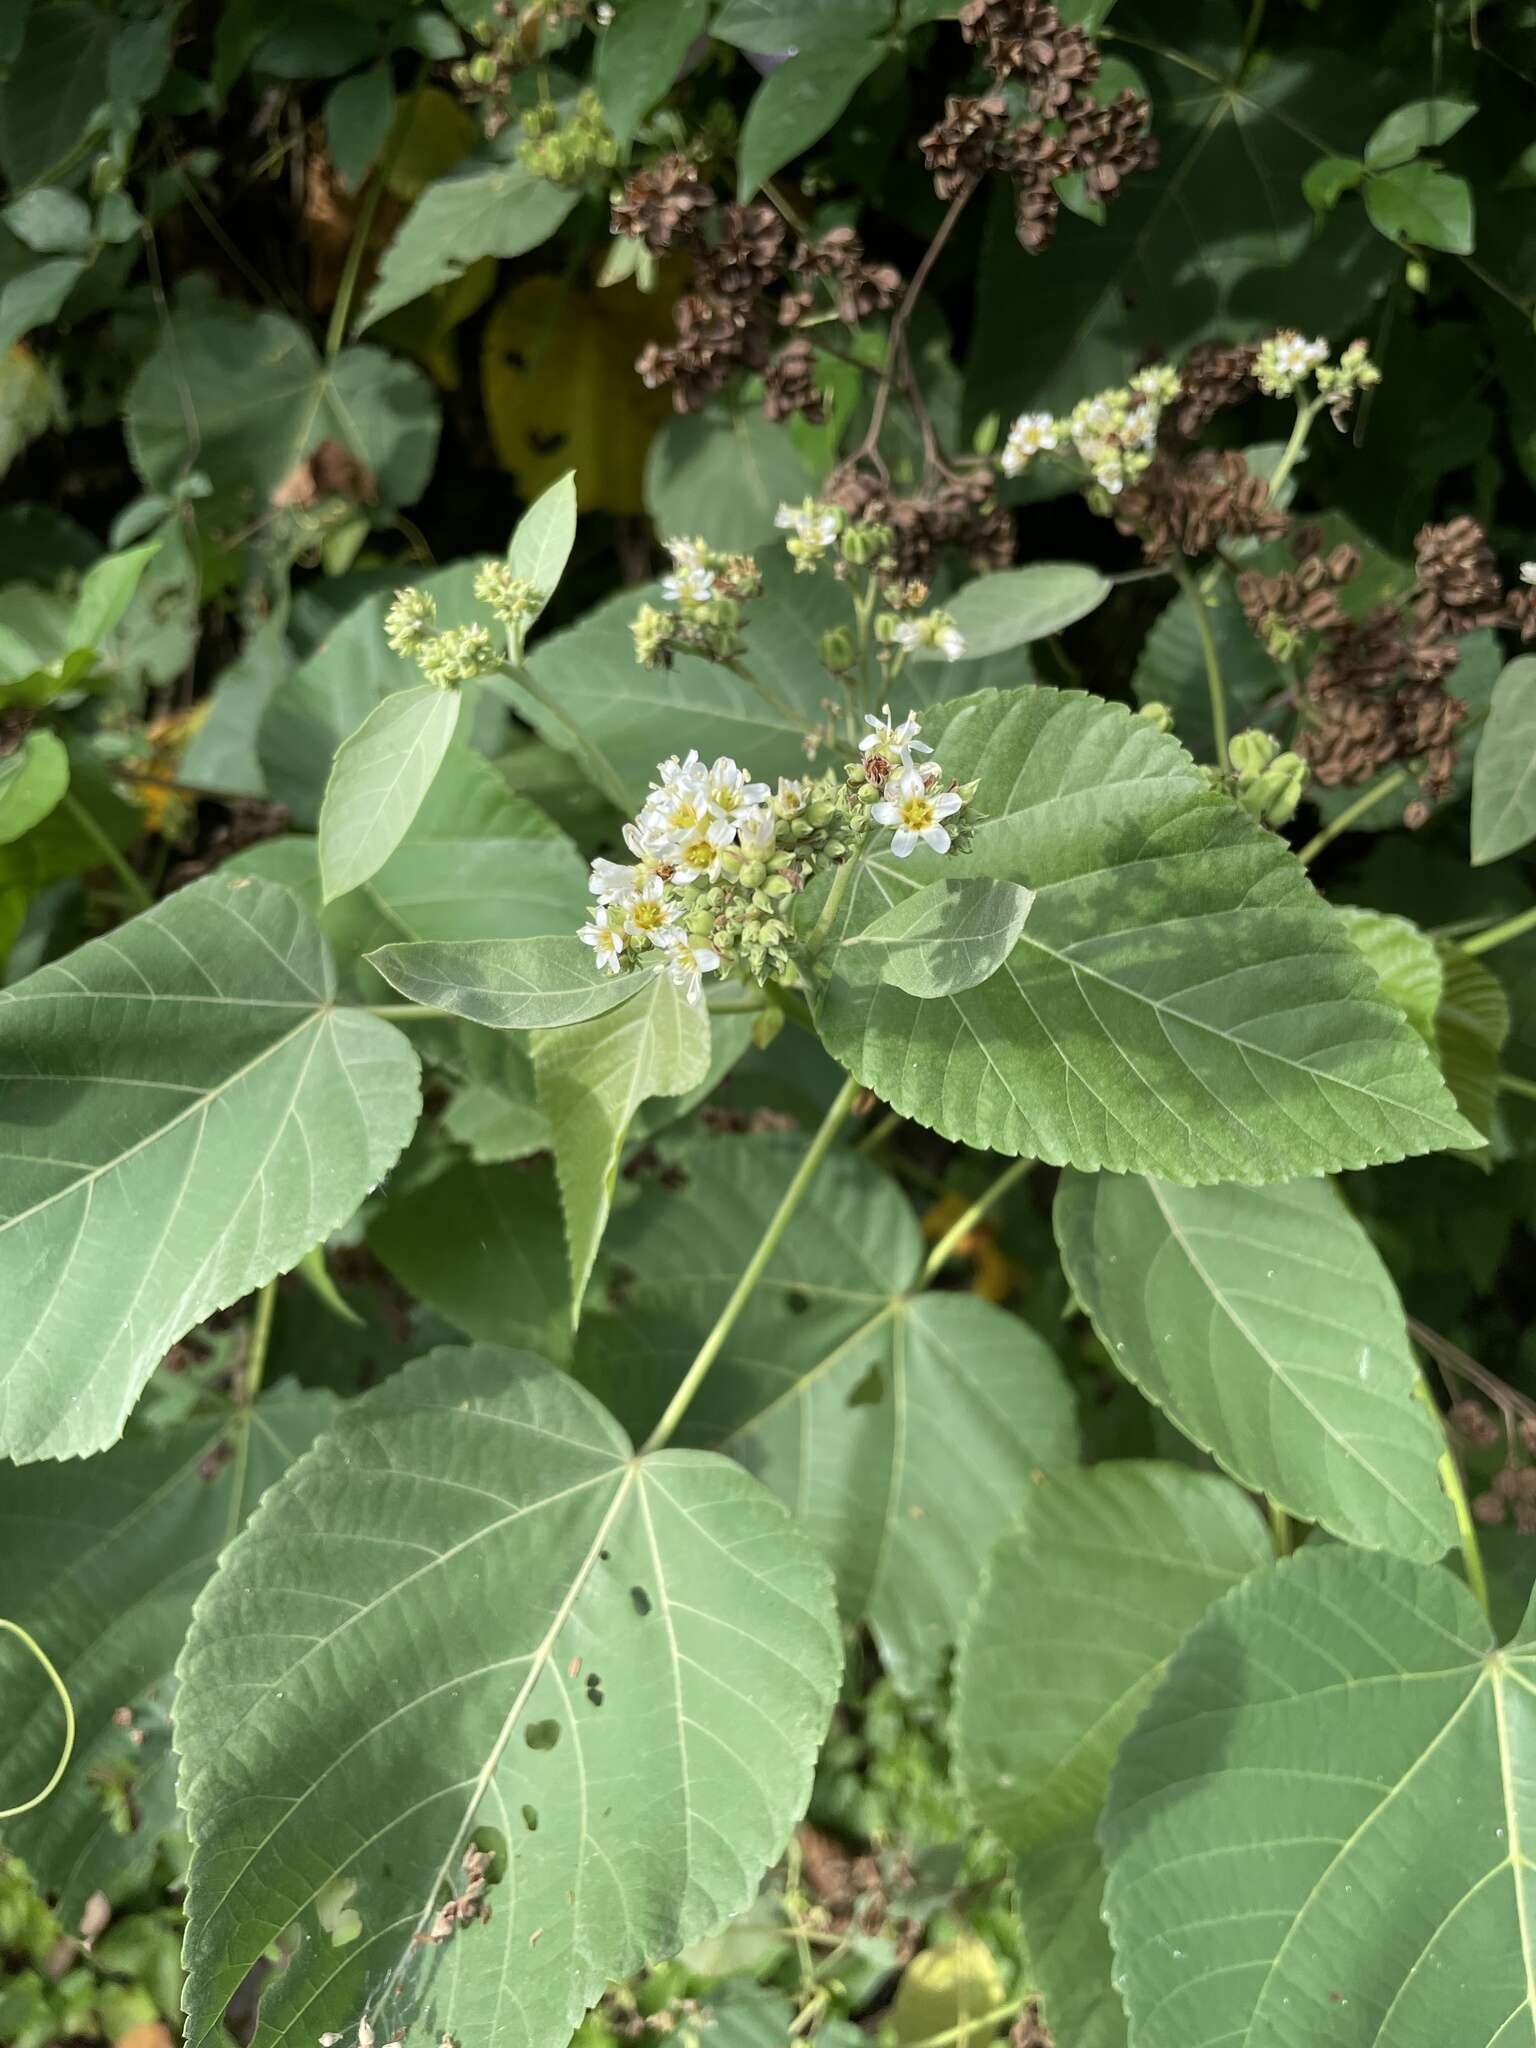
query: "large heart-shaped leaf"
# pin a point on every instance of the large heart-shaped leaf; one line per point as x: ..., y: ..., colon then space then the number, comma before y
x: 380, y: 776
x: 1181, y: 1001
x: 622, y: 1666
x: 1320, y: 1829
x: 104, y: 1573
x: 188, y: 1114
x: 1103, y: 1575
x: 1262, y: 1321
x: 855, y: 1399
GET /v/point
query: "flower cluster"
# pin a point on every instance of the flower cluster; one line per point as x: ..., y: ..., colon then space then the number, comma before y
x: 706, y: 592
x: 716, y: 859
x: 1284, y: 362
x: 572, y: 151
x: 815, y: 527
x: 456, y: 655
x: 1114, y: 433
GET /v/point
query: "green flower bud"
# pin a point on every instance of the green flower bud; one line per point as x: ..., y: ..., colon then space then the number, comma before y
x: 837, y: 650
x: 1158, y: 715
x: 1251, y: 753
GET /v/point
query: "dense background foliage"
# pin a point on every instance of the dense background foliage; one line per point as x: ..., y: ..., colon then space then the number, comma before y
x: 302, y: 300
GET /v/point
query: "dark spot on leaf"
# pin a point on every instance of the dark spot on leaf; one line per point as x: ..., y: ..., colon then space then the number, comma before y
x: 594, y: 1689
x: 641, y: 1599
x: 542, y: 1734
x: 531, y: 1819
x: 515, y: 360
x: 603, y: 1555
x: 673, y: 1178
x: 796, y: 1302
x: 544, y: 443
x: 870, y: 1391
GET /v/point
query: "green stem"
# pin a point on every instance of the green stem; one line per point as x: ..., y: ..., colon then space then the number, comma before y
x: 835, y: 895
x: 9, y: 1812
x: 1466, y: 1527
x: 1213, y: 680
x: 1516, y: 1084
x: 938, y: 1257
x: 133, y: 883
x: 963, y: 2029
x: 1350, y: 814
x: 1284, y: 1533
x: 1291, y: 454
x: 341, y: 311
x: 598, y: 766
x: 252, y: 1373
x: 1500, y: 934
x: 711, y: 1348
x: 873, y: 1140
x: 402, y: 1013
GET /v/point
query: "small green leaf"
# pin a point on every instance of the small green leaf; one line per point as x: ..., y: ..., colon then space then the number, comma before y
x: 1329, y: 179
x: 106, y: 592
x: 1471, y: 1024
x: 541, y: 545
x: 1317, y: 1830
x: 1014, y: 606
x: 52, y: 222
x: 1504, y: 772
x: 380, y: 777
x: 797, y: 103
x: 481, y: 209
x: 32, y: 780
x: 469, y: 1600
x: 358, y: 115
x: 640, y: 54
x: 950, y: 936
x: 774, y: 26
x: 591, y: 1078
x: 510, y: 984
x: 1406, y: 964
x: 31, y: 295
x: 1265, y: 1326
x: 1423, y: 206
x: 1420, y: 124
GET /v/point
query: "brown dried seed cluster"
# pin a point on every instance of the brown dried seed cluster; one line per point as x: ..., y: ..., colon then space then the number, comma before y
x: 1212, y: 377
x: 663, y: 205
x: 1299, y: 600
x: 1511, y: 1496
x: 957, y: 512
x: 1184, y: 505
x: 789, y: 385
x: 1375, y: 696
x: 1460, y: 587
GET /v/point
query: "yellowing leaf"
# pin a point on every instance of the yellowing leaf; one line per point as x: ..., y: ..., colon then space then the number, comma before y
x: 426, y: 327
x: 946, y: 1987
x: 558, y: 375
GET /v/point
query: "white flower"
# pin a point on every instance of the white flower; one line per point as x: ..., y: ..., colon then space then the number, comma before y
x: 672, y: 771
x: 688, y: 961
x: 1528, y: 572
x: 1031, y: 434
x: 951, y: 643
x: 790, y: 801
x: 689, y: 586
x: 756, y: 833
x: 891, y: 740
x: 1140, y: 428
x: 914, y: 812
x: 908, y: 634
x: 647, y: 912
x: 605, y: 939
x: 674, y: 814
x: 610, y: 878
x: 816, y: 524
x: 727, y: 795
x: 687, y: 554
x: 698, y: 858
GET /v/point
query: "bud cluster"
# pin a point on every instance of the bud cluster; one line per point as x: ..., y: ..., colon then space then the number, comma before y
x: 1286, y: 360
x: 569, y: 152
x: 1266, y: 783
x: 1114, y: 433
x: 456, y: 655
x: 910, y: 797
x: 706, y: 592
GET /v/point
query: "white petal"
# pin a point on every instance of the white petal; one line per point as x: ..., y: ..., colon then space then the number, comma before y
x: 885, y: 814
x: 946, y: 804
x: 937, y: 838
x: 902, y: 842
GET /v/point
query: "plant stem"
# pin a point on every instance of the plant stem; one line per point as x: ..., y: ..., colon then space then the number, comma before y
x: 400, y: 1013
x: 15, y: 1628
x: 835, y: 897
x: 962, y: 2028
x: 1466, y: 1528
x: 1499, y: 934
x: 1284, y: 1534
x: 873, y: 1140
x: 1213, y: 680
x: 962, y: 1229
x: 133, y: 883
x: 341, y: 311
x: 1516, y: 1084
x: 1350, y: 814
x: 252, y: 1372
x: 710, y: 1349
x: 598, y: 766
x: 1291, y: 454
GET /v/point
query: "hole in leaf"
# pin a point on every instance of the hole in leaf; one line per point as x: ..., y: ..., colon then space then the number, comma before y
x: 641, y: 1599
x: 493, y: 1843
x: 870, y: 1391
x: 542, y: 1734
x: 594, y: 1689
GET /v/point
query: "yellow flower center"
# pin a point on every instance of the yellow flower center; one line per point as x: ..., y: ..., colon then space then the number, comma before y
x: 649, y: 916
x: 916, y: 813
x: 700, y: 855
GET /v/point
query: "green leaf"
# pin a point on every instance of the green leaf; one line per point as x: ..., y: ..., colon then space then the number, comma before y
x: 1171, y: 666
x: 358, y: 116
x: 591, y: 1079
x: 246, y: 397
x: 32, y: 293
x: 495, y: 1113
x: 1104, y: 1574
x: 483, y: 1245
x: 381, y: 775
x: 1329, y: 179
x: 951, y: 936
x: 1315, y: 1831
x: 52, y: 222
x: 510, y: 984
x: 944, y: 1990
x: 1014, y: 606
x: 1504, y: 773
x: 622, y: 1665
x: 854, y: 1398
x: 1420, y: 124
x: 541, y: 544
x: 106, y: 592
x: 1471, y: 1024
x: 1406, y: 962
x: 194, y: 1114
x: 32, y: 780
x: 773, y: 26
x: 1264, y: 1325
x: 797, y: 103
x: 1180, y: 1002
x: 640, y: 54
x: 481, y: 209
x: 53, y: 98
x: 103, y: 1573
x: 725, y: 474
x: 1421, y: 205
